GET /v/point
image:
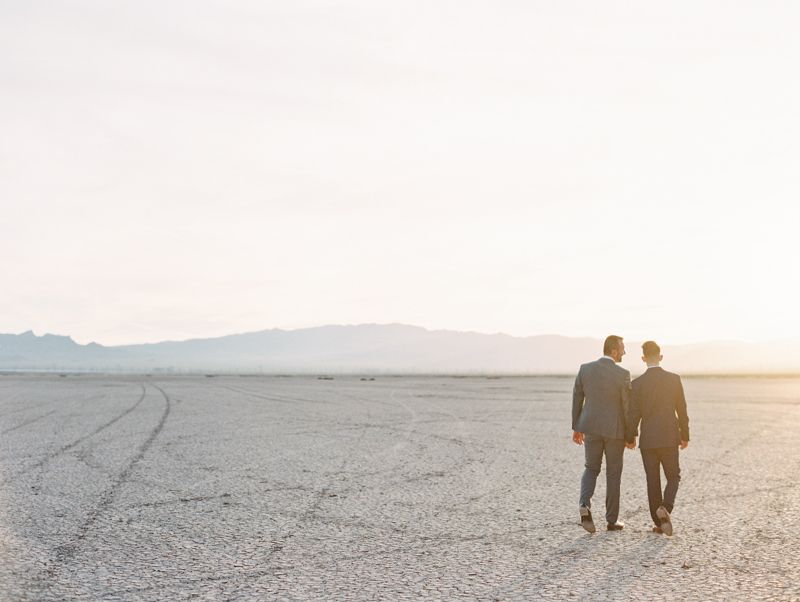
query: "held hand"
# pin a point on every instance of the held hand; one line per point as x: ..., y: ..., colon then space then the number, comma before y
x: 684, y: 444
x: 577, y: 437
x: 631, y: 445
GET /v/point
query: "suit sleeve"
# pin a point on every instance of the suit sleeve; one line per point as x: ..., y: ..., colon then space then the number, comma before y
x: 680, y: 408
x: 577, y: 400
x: 633, y: 416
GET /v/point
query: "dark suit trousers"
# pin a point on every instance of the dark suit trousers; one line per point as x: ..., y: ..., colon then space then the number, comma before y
x: 595, y: 446
x: 653, y: 460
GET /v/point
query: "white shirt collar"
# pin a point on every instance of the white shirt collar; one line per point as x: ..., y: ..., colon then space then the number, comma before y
x: 656, y: 366
x: 608, y: 357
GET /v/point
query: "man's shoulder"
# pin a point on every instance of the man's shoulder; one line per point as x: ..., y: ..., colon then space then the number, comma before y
x: 620, y: 370
x: 648, y: 376
x: 605, y: 364
x: 667, y: 375
x: 674, y: 379
x: 655, y: 375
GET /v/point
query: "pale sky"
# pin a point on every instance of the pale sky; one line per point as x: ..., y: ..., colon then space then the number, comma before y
x: 174, y: 170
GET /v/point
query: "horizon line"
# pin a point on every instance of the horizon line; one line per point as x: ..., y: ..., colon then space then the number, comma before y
x: 497, y: 333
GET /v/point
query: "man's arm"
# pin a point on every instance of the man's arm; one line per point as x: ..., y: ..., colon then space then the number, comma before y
x: 577, y: 408
x: 683, y: 417
x: 630, y: 442
x: 577, y: 400
x: 633, y: 416
x: 626, y: 397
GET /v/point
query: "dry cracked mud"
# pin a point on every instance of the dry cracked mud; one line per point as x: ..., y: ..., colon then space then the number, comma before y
x: 401, y: 488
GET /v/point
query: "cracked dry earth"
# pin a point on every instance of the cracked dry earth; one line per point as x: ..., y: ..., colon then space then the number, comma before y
x: 401, y: 488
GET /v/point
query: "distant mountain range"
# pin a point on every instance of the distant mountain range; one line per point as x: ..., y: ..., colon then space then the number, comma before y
x: 387, y: 349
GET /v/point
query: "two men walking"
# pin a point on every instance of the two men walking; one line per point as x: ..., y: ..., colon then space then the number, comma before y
x: 606, y: 411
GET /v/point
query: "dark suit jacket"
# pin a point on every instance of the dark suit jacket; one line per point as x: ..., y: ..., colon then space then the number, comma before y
x: 658, y: 401
x: 601, y: 399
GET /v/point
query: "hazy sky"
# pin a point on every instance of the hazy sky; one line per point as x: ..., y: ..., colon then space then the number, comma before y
x: 182, y: 169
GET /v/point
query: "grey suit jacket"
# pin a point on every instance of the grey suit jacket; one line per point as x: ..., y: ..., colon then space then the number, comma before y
x: 658, y: 401
x: 601, y: 399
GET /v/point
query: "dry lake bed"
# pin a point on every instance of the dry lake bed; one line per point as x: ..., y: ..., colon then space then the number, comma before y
x: 398, y: 488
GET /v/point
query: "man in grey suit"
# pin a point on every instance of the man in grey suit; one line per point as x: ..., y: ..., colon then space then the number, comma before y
x: 600, y: 403
x: 658, y: 401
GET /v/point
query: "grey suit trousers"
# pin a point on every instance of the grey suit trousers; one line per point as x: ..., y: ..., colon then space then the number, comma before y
x: 614, y: 449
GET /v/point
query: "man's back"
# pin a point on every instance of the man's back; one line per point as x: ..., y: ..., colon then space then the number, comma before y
x: 600, y: 399
x: 658, y: 400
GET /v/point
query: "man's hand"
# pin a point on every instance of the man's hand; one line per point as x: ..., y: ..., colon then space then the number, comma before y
x: 577, y: 437
x: 631, y: 445
x: 684, y: 444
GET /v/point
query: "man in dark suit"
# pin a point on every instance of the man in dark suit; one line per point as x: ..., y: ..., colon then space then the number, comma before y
x: 658, y: 401
x: 600, y: 403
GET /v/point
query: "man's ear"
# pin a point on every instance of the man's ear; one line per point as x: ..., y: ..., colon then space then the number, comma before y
x: 660, y: 358
x: 644, y: 359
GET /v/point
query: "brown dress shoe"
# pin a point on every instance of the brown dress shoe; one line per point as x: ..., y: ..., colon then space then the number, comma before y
x: 617, y: 526
x: 586, y: 519
x: 666, y: 523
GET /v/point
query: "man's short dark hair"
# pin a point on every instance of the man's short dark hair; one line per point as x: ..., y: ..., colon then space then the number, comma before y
x: 612, y: 342
x: 651, y: 349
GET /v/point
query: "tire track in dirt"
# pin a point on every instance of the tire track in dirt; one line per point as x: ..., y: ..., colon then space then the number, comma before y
x: 272, y: 397
x: 66, y: 552
x: 78, y: 441
x: 27, y: 422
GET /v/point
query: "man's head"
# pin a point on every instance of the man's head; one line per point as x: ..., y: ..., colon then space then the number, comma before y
x: 652, y: 353
x: 614, y: 348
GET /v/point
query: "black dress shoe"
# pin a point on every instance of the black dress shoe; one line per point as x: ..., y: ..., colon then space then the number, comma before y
x: 617, y: 526
x: 586, y: 519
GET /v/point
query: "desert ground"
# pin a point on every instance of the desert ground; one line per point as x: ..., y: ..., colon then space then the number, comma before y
x: 397, y: 488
